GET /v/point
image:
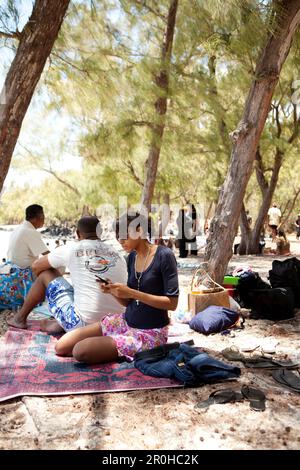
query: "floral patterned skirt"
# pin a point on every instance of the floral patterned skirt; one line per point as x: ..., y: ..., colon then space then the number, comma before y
x: 131, y: 340
x: 15, y: 286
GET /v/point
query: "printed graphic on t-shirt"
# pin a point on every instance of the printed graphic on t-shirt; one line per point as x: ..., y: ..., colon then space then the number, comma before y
x: 99, y: 264
x: 98, y: 260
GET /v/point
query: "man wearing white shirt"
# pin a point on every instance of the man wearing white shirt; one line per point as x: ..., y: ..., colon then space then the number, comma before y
x: 274, y: 215
x: 25, y: 244
x: 83, y: 302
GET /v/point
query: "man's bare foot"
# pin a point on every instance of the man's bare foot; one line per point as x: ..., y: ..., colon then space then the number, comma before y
x: 51, y: 326
x: 17, y: 322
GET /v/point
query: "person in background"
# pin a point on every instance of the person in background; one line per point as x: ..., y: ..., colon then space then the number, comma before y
x: 193, y: 239
x: 282, y: 244
x: 297, y: 224
x: 262, y: 243
x: 25, y: 244
x: 184, y: 224
x: 274, y: 217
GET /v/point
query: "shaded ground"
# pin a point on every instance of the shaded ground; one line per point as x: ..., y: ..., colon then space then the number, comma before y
x: 166, y: 419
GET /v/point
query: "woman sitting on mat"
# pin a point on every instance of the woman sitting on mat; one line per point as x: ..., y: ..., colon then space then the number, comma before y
x: 151, y: 290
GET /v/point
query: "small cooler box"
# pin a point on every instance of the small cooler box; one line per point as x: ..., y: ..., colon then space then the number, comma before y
x: 230, y: 283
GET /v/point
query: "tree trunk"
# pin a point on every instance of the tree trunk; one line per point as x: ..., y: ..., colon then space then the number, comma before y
x: 161, y: 104
x: 246, y: 136
x: 36, y: 42
x: 245, y: 232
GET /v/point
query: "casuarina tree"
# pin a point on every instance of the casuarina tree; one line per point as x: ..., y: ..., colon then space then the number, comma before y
x: 35, y: 44
x: 285, y: 20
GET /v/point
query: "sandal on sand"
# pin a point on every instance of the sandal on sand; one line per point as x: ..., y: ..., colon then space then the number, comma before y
x: 256, y: 397
x: 220, y: 397
x: 232, y: 354
x: 288, y: 379
x: 261, y: 362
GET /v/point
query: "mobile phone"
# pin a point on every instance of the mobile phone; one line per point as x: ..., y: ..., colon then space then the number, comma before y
x: 104, y: 280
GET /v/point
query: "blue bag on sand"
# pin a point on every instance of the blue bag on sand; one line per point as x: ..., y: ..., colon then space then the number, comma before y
x: 214, y: 319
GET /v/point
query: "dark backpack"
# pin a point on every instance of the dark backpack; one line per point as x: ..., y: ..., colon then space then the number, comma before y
x: 248, y: 283
x: 272, y: 304
x: 287, y: 274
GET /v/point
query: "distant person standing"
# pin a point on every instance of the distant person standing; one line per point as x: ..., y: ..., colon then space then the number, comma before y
x: 297, y: 223
x: 181, y: 221
x: 274, y: 217
x: 193, y: 240
x: 26, y: 243
x: 185, y: 227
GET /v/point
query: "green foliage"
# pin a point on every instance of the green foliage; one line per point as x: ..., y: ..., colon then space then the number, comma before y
x: 58, y: 202
x: 102, y: 73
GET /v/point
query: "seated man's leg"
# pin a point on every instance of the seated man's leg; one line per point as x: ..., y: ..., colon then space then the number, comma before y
x: 60, y: 296
x: 35, y: 295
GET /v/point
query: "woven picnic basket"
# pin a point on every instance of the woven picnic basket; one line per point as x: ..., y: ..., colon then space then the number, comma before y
x: 206, y: 292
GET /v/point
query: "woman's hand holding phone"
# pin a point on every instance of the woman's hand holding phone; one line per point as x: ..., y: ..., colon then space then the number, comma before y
x: 104, y: 282
x: 121, y: 291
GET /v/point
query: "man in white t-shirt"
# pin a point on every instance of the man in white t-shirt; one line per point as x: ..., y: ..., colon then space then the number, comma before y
x: 274, y: 216
x: 25, y: 244
x: 83, y: 302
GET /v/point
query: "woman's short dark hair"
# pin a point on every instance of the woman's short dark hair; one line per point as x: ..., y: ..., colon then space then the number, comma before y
x: 134, y: 220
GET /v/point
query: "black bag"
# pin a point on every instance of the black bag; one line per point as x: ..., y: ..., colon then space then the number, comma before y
x: 248, y: 283
x: 272, y: 304
x: 287, y: 274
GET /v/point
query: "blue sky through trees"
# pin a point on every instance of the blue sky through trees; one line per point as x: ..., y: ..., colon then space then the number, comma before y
x: 53, y: 126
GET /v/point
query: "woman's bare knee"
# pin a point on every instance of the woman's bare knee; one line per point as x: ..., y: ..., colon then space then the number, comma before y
x: 80, y: 352
x: 95, y: 350
x: 62, y: 350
